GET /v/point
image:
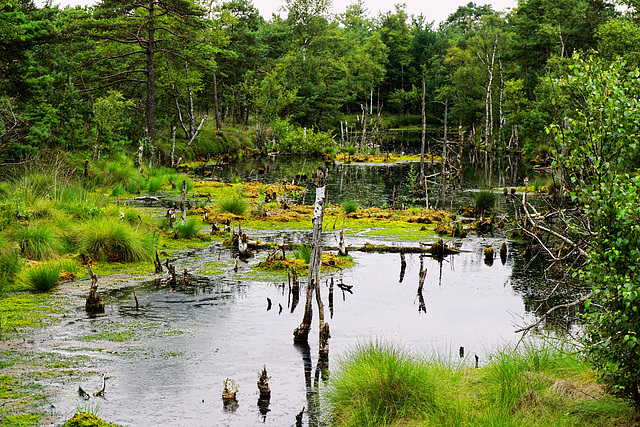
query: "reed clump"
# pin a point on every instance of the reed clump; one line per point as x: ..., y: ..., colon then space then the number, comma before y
x: 234, y: 205
x: 535, y: 385
x: 43, y: 277
x: 108, y: 239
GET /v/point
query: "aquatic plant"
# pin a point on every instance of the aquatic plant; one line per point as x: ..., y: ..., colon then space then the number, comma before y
x: 179, y: 180
x: 378, y: 384
x: 485, y: 201
x: 188, y: 228
x: 349, y: 206
x: 235, y: 205
x: 350, y: 150
x: 109, y: 239
x: 303, y: 252
x: 39, y: 241
x: 10, y: 265
x: 118, y: 171
x: 42, y: 278
x: 118, y: 190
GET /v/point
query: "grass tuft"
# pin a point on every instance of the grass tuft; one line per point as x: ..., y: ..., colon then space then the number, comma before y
x: 39, y: 241
x: 303, y: 252
x: 188, y: 229
x: 349, y: 206
x: 235, y: 205
x: 485, y: 201
x: 115, y: 241
x: 42, y: 278
x: 379, y: 384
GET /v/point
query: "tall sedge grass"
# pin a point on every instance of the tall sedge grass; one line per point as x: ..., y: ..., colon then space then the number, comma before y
x: 43, y: 277
x: 39, y: 241
x: 188, y: 228
x: 179, y: 180
x: 118, y: 172
x: 485, y: 201
x: 534, y: 385
x: 10, y: 266
x: 235, y: 205
x: 155, y: 183
x: 379, y: 384
x: 349, y: 206
x: 110, y: 239
x: 303, y: 252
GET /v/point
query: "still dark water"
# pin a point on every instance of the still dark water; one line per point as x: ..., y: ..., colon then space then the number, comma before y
x: 186, y: 342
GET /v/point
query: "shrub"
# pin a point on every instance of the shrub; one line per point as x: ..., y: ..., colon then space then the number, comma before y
x: 42, y: 278
x: 115, y: 241
x: 294, y: 139
x: 188, y: 228
x: 349, y: 206
x: 234, y: 205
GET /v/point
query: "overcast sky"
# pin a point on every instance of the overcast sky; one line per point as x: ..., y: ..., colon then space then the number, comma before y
x: 433, y: 10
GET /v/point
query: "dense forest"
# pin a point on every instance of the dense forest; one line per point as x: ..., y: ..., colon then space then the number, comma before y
x: 151, y: 75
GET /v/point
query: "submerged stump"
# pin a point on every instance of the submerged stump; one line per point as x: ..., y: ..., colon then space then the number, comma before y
x: 93, y: 303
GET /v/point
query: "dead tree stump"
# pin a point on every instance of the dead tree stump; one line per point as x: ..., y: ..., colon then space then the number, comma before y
x: 263, y: 384
x: 301, y: 333
x: 93, y: 304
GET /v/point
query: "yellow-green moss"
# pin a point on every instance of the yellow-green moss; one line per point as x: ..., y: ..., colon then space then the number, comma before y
x: 85, y: 419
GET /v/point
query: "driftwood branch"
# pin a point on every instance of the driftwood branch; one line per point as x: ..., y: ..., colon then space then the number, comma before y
x: 551, y: 310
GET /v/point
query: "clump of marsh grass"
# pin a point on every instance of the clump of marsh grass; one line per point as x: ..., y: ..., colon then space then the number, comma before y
x: 485, y: 200
x: 112, y: 240
x: 43, y: 277
x: 303, y: 252
x: 349, y: 206
x: 155, y: 183
x: 179, y: 180
x: 379, y: 384
x: 39, y: 241
x: 118, y: 172
x: 10, y: 266
x: 188, y: 228
x: 235, y: 205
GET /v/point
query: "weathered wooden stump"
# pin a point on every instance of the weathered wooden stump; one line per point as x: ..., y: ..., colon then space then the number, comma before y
x: 93, y: 303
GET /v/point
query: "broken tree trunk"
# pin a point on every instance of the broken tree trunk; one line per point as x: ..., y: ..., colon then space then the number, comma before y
x: 158, y: 264
x: 93, y: 304
x: 183, y: 195
x: 300, y: 334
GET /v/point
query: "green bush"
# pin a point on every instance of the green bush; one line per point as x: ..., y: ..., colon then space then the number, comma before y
x: 42, y: 278
x: 234, y: 205
x: 293, y: 139
x: 112, y: 240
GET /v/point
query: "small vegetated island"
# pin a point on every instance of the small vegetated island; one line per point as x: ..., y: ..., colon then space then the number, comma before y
x: 132, y: 131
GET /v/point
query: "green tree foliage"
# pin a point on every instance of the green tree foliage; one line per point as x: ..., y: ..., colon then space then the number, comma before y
x: 132, y: 34
x: 598, y: 152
